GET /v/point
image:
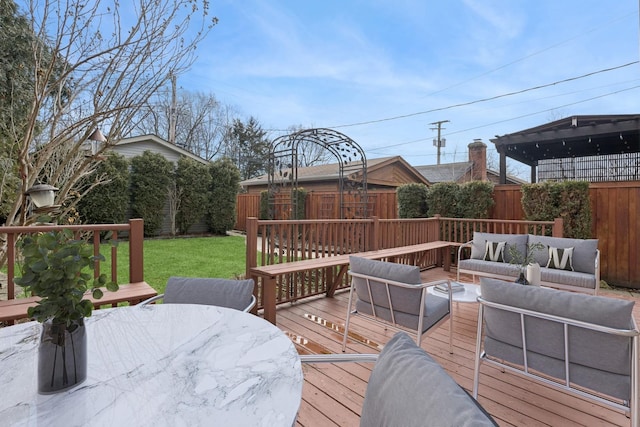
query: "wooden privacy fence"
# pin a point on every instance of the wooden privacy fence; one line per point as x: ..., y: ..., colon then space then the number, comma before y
x: 319, y: 205
x: 615, y: 212
x: 280, y: 241
x: 615, y: 217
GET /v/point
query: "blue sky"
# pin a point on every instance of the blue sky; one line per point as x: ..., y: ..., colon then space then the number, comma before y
x: 339, y: 63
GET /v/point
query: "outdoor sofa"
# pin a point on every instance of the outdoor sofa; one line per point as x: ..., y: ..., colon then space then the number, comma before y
x: 583, y: 344
x: 575, y: 265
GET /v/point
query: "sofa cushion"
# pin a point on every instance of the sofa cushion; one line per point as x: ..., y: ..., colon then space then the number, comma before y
x: 408, y: 388
x: 600, y: 357
x: 516, y: 241
x: 584, y: 251
x: 570, y: 278
x: 560, y: 259
x: 489, y: 267
x: 494, y: 251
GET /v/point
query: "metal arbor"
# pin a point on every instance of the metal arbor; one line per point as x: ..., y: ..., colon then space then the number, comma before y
x: 284, y: 180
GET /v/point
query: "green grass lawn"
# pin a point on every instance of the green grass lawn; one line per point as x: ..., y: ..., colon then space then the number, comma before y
x: 220, y: 256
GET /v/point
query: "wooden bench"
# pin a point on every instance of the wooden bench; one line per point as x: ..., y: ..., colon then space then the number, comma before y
x: 133, y: 293
x: 269, y: 273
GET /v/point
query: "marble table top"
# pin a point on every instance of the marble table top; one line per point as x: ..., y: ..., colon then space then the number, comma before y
x: 161, y: 365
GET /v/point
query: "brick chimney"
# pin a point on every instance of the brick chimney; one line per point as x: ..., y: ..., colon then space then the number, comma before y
x: 478, y: 159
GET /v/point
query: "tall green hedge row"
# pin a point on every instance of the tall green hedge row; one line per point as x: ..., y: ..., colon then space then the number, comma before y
x: 412, y: 200
x: 223, y: 191
x: 568, y: 200
x: 142, y: 185
x: 448, y: 199
x: 150, y: 178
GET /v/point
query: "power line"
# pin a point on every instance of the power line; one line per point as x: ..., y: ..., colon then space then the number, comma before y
x: 464, y: 104
x: 386, y: 146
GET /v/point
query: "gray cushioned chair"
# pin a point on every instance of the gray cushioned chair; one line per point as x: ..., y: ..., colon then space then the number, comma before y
x: 571, y: 341
x: 237, y: 294
x: 394, y: 295
x: 408, y: 388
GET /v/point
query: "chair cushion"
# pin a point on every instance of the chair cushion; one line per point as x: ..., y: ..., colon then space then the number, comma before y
x: 209, y: 291
x: 408, y: 388
x: 405, y: 300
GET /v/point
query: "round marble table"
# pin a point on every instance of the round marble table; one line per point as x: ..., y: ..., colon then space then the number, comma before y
x: 161, y: 365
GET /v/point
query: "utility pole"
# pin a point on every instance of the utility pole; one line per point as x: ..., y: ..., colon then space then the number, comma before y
x: 439, y: 142
x: 173, y: 110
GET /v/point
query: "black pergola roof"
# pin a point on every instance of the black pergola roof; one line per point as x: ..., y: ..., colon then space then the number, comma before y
x: 576, y: 136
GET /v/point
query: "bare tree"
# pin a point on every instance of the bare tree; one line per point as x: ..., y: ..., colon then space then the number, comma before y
x: 311, y: 153
x: 95, y: 66
x: 200, y: 120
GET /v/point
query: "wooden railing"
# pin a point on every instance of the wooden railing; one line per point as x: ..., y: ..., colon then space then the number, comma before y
x: 280, y: 241
x: 135, y: 290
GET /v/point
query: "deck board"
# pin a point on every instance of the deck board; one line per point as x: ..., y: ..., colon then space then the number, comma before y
x: 333, y: 393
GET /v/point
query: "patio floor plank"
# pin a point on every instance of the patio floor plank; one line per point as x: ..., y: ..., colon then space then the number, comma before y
x: 333, y: 393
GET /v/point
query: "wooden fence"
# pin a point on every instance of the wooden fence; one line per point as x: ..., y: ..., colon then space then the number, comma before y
x: 615, y: 208
x: 615, y: 216
x: 320, y: 205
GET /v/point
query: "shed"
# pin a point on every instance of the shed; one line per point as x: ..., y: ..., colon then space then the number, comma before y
x: 583, y: 138
x: 386, y: 173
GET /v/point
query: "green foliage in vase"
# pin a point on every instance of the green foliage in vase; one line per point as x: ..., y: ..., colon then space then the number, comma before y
x: 56, y: 266
x: 527, y: 258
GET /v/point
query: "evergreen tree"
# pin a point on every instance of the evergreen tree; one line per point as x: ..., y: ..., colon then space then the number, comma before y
x: 192, y: 183
x: 248, y: 148
x: 150, y: 178
x: 109, y: 201
x: 224, y: 187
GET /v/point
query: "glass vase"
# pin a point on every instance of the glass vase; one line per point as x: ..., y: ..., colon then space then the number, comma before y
x: 62, y: 356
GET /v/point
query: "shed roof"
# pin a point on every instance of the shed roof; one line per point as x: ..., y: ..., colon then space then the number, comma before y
x: 575, y: 136
x: 331, y: 171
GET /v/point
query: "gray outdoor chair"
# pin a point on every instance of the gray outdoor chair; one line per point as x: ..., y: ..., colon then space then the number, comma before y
x: 393, y: 295
x: 408, y: 388
x: 237, y: 294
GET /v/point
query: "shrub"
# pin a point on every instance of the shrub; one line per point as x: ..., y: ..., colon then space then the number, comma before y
x: 264, y: 205
x: 442, y: 199
x: 192, y: 183
x: 150, y: 179
x: 412, y: 200
x: 475, y: 199
x: 568, y: 200
x: 223, y: 189
x: 107, y: 202
x: 299, y: 198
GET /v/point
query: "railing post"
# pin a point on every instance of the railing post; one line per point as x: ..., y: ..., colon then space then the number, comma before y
x: 438, y: 230
x: 11, y: 261
x: 252, y: 245
x: 558, y: 227
x: 136, y: 250
x: 374, y: 245
x: 251, y: 257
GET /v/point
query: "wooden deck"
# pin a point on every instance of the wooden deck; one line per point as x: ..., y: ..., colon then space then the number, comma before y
x: 333, y: 393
